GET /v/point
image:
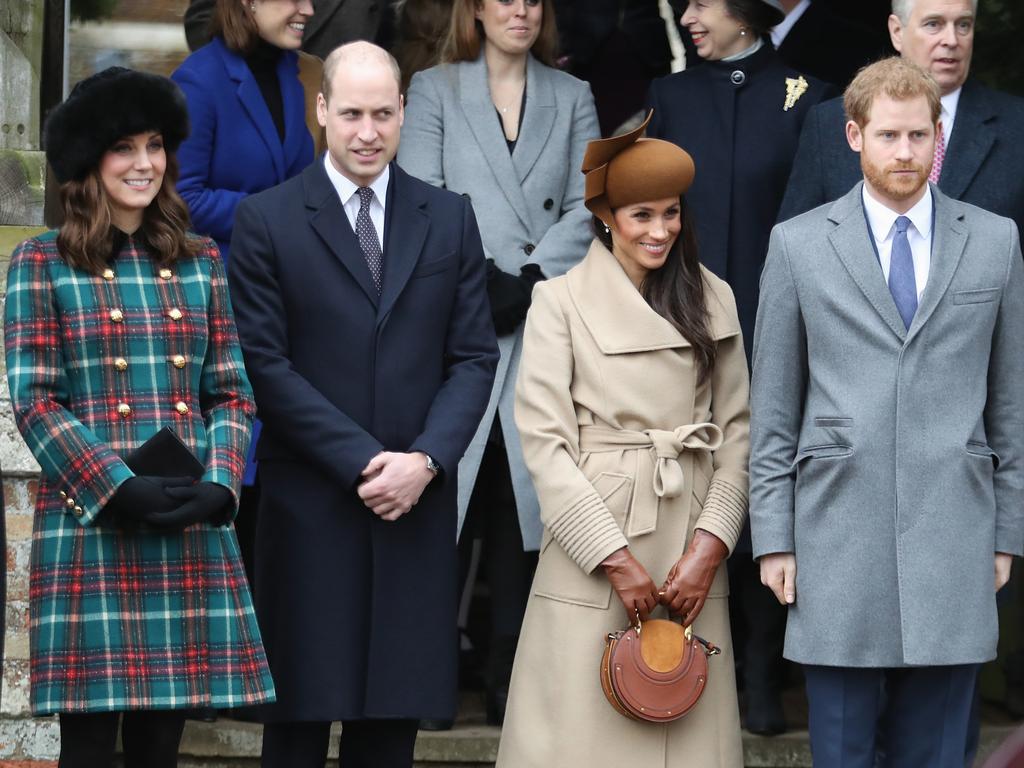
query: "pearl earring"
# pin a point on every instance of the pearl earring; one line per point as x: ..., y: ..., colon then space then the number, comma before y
x: 252, y: 7
x: 607, y: 229
x: 743, y: 33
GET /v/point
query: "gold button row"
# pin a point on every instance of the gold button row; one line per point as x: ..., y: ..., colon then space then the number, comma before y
x: 124, y: 410
x: 122, y: 365
x: 166, y: 274
x: 117, y: 316
x: 70, y: 504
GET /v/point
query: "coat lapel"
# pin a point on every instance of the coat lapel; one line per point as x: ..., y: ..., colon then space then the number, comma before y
x: 401, y: 250
x: 249, y: 95
x: 852, y: 242
x: 328, y: 219
x: 538, y: 120
x: 971, y: 143
x: 483, y: 121
x: 947, y: 249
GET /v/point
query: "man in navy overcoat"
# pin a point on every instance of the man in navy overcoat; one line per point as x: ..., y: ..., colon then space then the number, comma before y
x: 361, y: 304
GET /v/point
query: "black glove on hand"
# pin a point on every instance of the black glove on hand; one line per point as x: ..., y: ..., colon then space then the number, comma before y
x: 141, y: 499
x: 204, y: 502
x: 510, y: 299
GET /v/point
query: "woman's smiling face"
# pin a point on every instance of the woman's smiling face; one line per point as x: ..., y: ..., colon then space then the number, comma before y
x: 716, y: 33
x: 643, y: 235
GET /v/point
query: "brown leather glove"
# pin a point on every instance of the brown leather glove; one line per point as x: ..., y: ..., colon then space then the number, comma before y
x: 631, y: 583
x: 687, y: 585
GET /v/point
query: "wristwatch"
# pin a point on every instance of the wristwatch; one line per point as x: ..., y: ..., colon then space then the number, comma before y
x: 432, y: 465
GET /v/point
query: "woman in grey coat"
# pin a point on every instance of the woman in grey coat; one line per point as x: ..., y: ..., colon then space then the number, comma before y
x: 496, y: 123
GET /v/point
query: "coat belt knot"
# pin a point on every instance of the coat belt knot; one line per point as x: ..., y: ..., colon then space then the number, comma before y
x: 663, y: 471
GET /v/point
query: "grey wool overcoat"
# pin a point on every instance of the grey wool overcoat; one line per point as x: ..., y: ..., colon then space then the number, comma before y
x: 889, y: 460
x: 529, y: 205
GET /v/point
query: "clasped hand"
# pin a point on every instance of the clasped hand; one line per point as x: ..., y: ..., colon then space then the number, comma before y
x: 393, y: 482
x: 169, y: 502
x: 685, y: 588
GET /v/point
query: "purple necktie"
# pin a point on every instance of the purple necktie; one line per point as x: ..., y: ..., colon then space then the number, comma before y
x: 367, y: 235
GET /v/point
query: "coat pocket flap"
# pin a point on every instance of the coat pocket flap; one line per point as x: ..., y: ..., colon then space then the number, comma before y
x: 979, y: 296
x: 979, y: 448
x: 434, y: 266
x: 832, y: 421
x: 823, y: 452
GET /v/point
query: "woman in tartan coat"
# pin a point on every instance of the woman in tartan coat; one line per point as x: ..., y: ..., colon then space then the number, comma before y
x: 116, y: 326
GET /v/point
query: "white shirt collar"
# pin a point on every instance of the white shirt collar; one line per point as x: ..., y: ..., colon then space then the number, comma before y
x: 780, y: 30
x: 346, y: 188
x: 949, y: 105
x: 882, y: 219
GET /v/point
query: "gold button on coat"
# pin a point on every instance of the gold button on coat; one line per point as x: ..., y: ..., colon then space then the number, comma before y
x: 78, y: 511
x: 116, y: 315
x: 179, y: 361
x: 121, y: 364
x: 108, y: 274
x: 64, y: 494
x: 124, y: 409
x: 181, y: 407
x: 166, y: 274
x: 174, y: 314
x: 71, y: 503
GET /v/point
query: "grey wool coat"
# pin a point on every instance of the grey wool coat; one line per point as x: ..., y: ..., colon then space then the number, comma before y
x: 529, y: 205
x: 889, y: 460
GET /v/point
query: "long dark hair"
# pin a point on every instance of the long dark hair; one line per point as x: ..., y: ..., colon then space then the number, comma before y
x: 85, y: 238
x: 676, y: 291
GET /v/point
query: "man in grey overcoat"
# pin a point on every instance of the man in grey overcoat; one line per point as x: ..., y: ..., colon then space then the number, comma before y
x: 887, y: 428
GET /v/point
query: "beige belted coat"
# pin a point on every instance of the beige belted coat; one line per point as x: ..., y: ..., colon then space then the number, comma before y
x: 624, y: 448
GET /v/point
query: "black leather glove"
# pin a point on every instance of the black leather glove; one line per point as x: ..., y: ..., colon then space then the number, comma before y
x: 204, y: 502
x: 142, y: 499
x: 510, y: 296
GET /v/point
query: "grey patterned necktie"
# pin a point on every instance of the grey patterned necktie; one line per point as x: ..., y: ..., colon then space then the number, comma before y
x: 367, y: 235
x: 902, y: 284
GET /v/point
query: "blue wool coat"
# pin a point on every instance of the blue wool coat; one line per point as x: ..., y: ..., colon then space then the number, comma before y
x: 96, y: 365
x: 234, y: 148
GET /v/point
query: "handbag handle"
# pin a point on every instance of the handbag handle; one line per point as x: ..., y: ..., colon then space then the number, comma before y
x: 710, y: 649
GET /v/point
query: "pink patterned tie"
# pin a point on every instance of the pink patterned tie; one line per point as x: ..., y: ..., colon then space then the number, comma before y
x: 940, y: 155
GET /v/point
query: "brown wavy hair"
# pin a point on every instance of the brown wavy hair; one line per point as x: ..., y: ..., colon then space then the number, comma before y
x: 86, y: 237
x: 676, y: 292
x: 466, y: 34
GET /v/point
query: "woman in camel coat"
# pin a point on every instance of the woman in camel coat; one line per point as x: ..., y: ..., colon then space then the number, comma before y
x: 636, y: 435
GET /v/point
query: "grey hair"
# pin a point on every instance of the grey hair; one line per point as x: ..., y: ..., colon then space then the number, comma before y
x: 902, y: 9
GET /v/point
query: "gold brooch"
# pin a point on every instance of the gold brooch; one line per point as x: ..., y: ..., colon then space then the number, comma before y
x: 795, y: 88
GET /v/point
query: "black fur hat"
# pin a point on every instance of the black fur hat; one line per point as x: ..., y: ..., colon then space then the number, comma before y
x: 105, y: 107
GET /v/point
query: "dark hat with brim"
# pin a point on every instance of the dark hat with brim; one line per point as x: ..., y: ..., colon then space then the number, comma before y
x: 108, y: 106
x: 628, y: 169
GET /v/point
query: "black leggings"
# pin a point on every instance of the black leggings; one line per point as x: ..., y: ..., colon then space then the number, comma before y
x: 150, y: 739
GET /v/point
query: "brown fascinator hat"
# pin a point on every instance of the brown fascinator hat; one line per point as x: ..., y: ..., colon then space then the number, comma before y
x: 627, y: 169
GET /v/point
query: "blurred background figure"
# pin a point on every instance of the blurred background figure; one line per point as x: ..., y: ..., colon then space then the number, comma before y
x: 249, y: 133
x: 739, y: 115
x: 618, y: 46
x: 420, y: 29
x: 335, y: 22
x: 496, y: 123
x: 817, y: 41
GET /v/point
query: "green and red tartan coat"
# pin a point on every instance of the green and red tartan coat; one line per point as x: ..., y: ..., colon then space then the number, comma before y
x: 96, y: 365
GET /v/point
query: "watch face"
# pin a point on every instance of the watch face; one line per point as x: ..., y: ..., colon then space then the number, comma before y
x: 432, y: 465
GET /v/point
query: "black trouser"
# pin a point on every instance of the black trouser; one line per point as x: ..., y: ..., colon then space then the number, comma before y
x: 363, y: 744
x: 759, y: 628
x: 493, y: 517
x: 149, y: 739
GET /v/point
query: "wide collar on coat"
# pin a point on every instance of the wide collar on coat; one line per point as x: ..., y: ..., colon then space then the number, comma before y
x: 617, y: 316
x: 972, y: 140
x: 248, y: 92
x: 852, y: 242
x: 510, y: 171
x: 404, y: 204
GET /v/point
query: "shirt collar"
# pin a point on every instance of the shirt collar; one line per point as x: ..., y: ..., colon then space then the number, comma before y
x: 753, y: 48
x: 346, y: 188
x: 882, y: 218
x: 780, y: 30
x: 949, y: 103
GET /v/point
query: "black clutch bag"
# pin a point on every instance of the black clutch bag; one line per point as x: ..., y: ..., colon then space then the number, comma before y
x: 164, y: 455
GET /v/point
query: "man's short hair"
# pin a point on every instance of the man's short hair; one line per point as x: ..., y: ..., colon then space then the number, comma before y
x: 902, y: 9
x: 894, y: 77
x: 342, y: 52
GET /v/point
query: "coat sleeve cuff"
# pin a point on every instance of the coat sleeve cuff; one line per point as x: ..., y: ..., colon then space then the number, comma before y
x: 1009, y: 540
x: 587, y: 532
x: 725, y: 511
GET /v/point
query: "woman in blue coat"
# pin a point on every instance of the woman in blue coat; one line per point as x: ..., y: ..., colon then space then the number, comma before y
x: 247, y: 108
x: 739, y: 115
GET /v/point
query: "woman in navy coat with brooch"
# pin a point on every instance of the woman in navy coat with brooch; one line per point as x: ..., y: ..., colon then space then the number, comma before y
x: 739, y: 115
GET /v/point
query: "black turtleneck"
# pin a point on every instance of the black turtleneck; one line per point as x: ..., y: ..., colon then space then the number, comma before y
x: 262, y: 62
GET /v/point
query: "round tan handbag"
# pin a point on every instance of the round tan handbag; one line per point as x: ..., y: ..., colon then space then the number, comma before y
x: 655, y: 670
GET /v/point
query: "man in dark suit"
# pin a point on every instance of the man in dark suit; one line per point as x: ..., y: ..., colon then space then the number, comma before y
x: 979, y: 158
x: 333, y: 22
x: 361, y: 303
x: 819, y: 42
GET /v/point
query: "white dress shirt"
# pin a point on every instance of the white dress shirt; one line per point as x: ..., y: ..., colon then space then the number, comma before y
x: 882, y: 221
x: 948, y: 114
x: 348, y: 194
x: 780, y: 30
